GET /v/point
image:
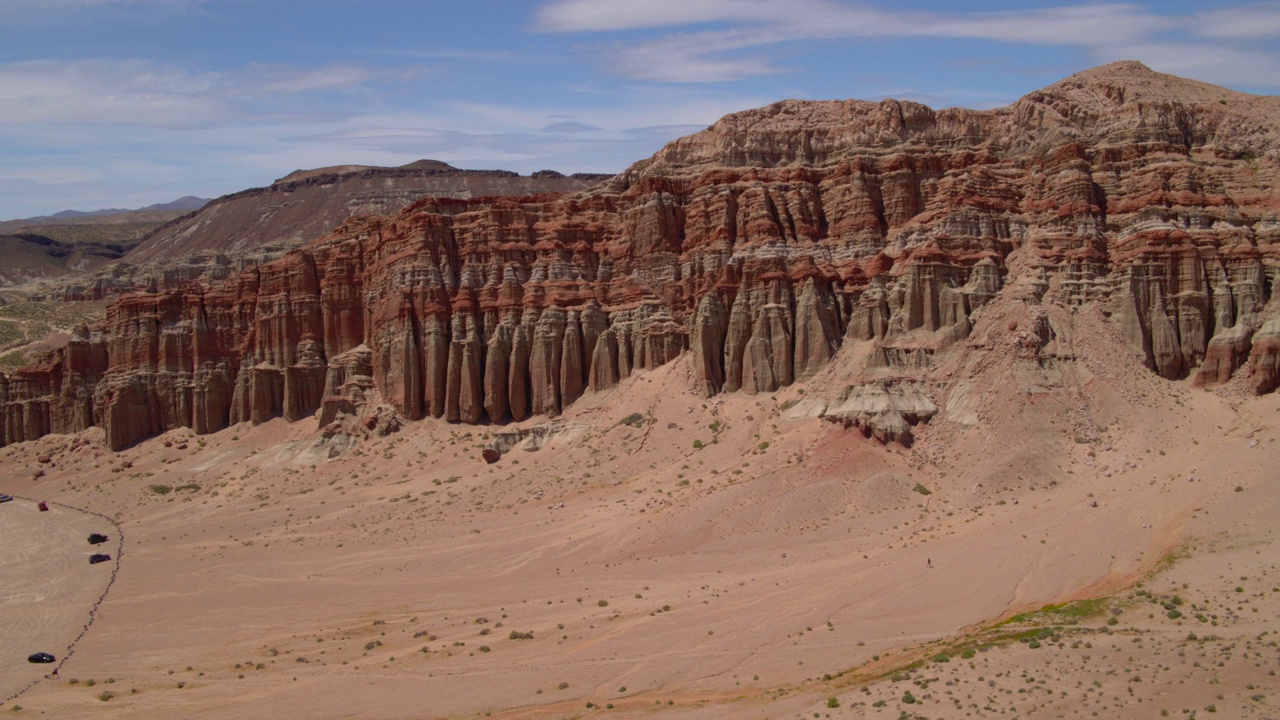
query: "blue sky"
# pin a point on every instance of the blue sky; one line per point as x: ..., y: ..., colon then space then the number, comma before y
x: 124, y: 103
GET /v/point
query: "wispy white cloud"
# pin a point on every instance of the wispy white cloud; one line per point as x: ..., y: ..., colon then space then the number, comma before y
x: 55, y: 4
x: 1088, y: 24
x: 568, y: 126
x: 97, y: 91
x: 143, y: 92
x: 18, y: 10
x: 1249, y: 22
x: 117, y: 134
x: 594, y: 16
x: 746, y: 38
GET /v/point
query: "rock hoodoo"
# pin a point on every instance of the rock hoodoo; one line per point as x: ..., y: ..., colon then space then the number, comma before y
x: 760, y: 247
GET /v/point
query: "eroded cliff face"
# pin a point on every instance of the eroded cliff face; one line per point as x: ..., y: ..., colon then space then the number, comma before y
x: 760, y: 247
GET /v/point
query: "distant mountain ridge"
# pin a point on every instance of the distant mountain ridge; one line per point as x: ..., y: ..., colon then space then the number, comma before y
x: 186, y: 203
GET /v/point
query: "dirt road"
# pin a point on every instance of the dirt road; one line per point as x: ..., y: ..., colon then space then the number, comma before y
x: 47, y: 586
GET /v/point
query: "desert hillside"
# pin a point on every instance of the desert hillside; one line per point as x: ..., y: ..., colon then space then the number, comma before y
x: 721, y: 558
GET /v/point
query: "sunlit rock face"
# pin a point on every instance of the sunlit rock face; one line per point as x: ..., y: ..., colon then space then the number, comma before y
x: 759, y: 247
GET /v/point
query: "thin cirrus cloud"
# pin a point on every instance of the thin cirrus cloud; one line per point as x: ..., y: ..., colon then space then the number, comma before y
x: 145, y: 92
x: 568, y: 126
x: 746, y: 38
x: 1252, y: 22
x: 57, y: 4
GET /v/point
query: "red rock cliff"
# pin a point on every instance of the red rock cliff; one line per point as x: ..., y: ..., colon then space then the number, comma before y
x: 760, y: 246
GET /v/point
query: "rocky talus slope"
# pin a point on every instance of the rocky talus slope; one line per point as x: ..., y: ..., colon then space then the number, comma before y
x: 762, y: 247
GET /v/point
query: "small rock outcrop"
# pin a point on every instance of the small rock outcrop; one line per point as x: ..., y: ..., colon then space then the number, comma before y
x: 880, y: 410
x: 528, y: 439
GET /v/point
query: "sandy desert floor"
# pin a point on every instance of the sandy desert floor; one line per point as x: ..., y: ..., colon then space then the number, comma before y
x: 666, y: 554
